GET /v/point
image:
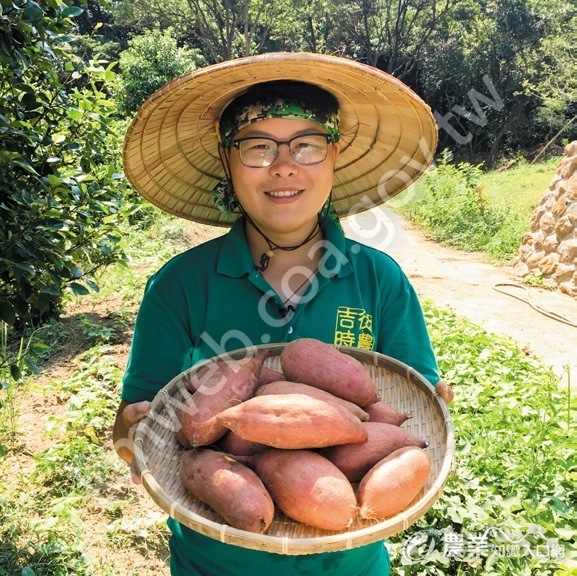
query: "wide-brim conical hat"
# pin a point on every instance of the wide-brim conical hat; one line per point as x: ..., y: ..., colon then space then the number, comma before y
x: 388, y: 134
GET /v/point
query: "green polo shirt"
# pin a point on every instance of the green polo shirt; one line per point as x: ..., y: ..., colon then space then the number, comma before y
x: 211, y: 299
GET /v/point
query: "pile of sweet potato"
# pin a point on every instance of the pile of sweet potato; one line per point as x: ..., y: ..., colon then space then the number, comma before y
x: 313, y: 440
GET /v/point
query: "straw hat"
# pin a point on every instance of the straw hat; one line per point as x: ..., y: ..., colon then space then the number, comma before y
x: 388, y: 134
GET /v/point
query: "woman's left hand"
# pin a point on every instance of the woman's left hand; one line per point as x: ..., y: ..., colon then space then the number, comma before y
x: 444, y: 391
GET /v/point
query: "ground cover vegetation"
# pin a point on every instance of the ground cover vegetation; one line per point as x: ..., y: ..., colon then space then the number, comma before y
x: 78, y: 244
x: 67, y: 505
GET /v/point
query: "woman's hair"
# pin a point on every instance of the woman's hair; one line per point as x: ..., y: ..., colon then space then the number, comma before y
x: 309, y: 96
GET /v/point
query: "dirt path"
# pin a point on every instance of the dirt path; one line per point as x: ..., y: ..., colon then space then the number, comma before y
x: 463, y: 282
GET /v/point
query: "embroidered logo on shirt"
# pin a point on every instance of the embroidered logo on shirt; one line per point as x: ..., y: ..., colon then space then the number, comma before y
x: 354, y: 327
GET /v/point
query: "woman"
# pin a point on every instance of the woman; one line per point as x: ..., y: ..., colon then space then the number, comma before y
x: 248, y: 143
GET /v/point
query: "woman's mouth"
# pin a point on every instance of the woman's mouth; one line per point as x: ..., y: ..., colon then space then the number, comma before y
x: 283, y: 193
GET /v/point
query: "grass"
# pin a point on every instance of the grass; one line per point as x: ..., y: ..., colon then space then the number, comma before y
x: 520, y: 188
x: 69, y: 508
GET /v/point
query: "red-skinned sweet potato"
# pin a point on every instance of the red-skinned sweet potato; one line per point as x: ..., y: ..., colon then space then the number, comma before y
x: 268, y: 375
x: 392, y: 484
x: 230, y: 488
x: 307, y: 488
x: 286, y: 387
x: 318, y: 364
x: 293, y: 421
x: 224, y: 385
x: 237, y: 446
x: 355, y: 460
x: 382, y: 412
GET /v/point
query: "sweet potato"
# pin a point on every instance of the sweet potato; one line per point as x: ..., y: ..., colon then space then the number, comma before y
x: 286, y: 387
x: 392, y: 484
x: 307, y: 488
x: 382, y: 412
x: 313, y: 362
x: 237, y: 446
x: 268, y: 375
x: 355, y: 460
x: 293, y: 421
x: 192, y: 380
x: 230, y: 488
x: 222, y: 386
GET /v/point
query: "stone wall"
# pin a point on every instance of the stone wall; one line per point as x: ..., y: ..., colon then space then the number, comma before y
x: 550, y: 249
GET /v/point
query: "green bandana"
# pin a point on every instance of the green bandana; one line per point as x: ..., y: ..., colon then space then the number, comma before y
x: 288, y: 108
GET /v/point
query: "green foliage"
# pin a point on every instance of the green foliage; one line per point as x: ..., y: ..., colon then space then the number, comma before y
x: 556, y: 85
x: 78, y: 460
x: 445, y: 50
x: 63, y: 193
x: 151, y: 60
x: 44, y: 553
x: 16, y: 365
x: 453, y: 207
x: 516, y: 464
x: 42, y: 522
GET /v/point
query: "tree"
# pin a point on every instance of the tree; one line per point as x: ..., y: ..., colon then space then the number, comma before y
x: 221, y: 29
x: 556, y: 84
x: 311, y: 26
x: 474, y: 76
x: 97, y: 34
x: 151, y: 60
x: 391, y: 34
x: 62, y: 191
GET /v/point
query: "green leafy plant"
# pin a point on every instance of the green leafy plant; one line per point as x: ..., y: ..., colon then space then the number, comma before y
x: 16, y: 364
x: 62, y: 186
x: 78, y: 460
x: 97, y: 333
x: 151, y: 60
x: 451, y: 204
x: 515, y: 469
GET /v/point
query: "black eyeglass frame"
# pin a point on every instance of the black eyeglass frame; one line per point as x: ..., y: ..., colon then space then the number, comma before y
x: 236, y: 144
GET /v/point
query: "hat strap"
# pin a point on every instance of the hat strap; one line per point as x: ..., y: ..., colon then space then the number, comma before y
x: 268, y: 254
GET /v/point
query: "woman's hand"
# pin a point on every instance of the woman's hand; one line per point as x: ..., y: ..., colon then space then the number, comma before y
x: 127, y: 416
x: 444, y: 391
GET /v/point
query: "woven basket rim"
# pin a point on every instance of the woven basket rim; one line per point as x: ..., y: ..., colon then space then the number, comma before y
x: 301, y: 545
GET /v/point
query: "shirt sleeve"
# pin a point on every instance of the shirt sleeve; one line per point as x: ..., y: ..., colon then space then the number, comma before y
x: 403, y: 332
x: 161, y: 345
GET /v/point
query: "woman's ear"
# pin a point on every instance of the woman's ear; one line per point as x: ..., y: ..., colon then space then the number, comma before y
x: 337, y: 149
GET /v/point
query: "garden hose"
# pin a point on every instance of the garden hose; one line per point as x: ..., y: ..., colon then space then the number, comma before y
x: 547, y: 313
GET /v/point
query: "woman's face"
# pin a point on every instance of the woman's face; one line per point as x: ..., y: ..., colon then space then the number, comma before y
x: 283, y: 199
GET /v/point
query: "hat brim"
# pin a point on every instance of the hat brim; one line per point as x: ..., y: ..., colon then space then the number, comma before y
x: 388, y: 134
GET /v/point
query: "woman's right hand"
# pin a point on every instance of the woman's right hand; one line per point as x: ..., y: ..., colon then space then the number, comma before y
x: 126, y: 417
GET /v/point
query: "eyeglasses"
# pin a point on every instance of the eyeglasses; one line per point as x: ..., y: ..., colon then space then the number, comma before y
x: 306, y: 149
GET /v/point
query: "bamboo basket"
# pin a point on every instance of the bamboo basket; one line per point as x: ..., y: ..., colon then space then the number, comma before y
x: 157, y: 456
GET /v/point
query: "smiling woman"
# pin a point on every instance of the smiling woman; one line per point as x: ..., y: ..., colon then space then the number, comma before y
x: 279, y: 146
x: 282, y: 200
x: 285, y: 134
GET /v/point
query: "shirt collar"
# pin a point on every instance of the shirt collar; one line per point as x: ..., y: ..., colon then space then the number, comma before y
x: 235, y: 259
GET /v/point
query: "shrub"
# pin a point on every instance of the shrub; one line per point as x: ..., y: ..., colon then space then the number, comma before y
x: 452, y: 206
x: 151, y: 60
x: 62, y: 187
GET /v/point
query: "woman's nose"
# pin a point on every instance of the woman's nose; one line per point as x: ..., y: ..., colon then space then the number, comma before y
x: 284, y: 164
